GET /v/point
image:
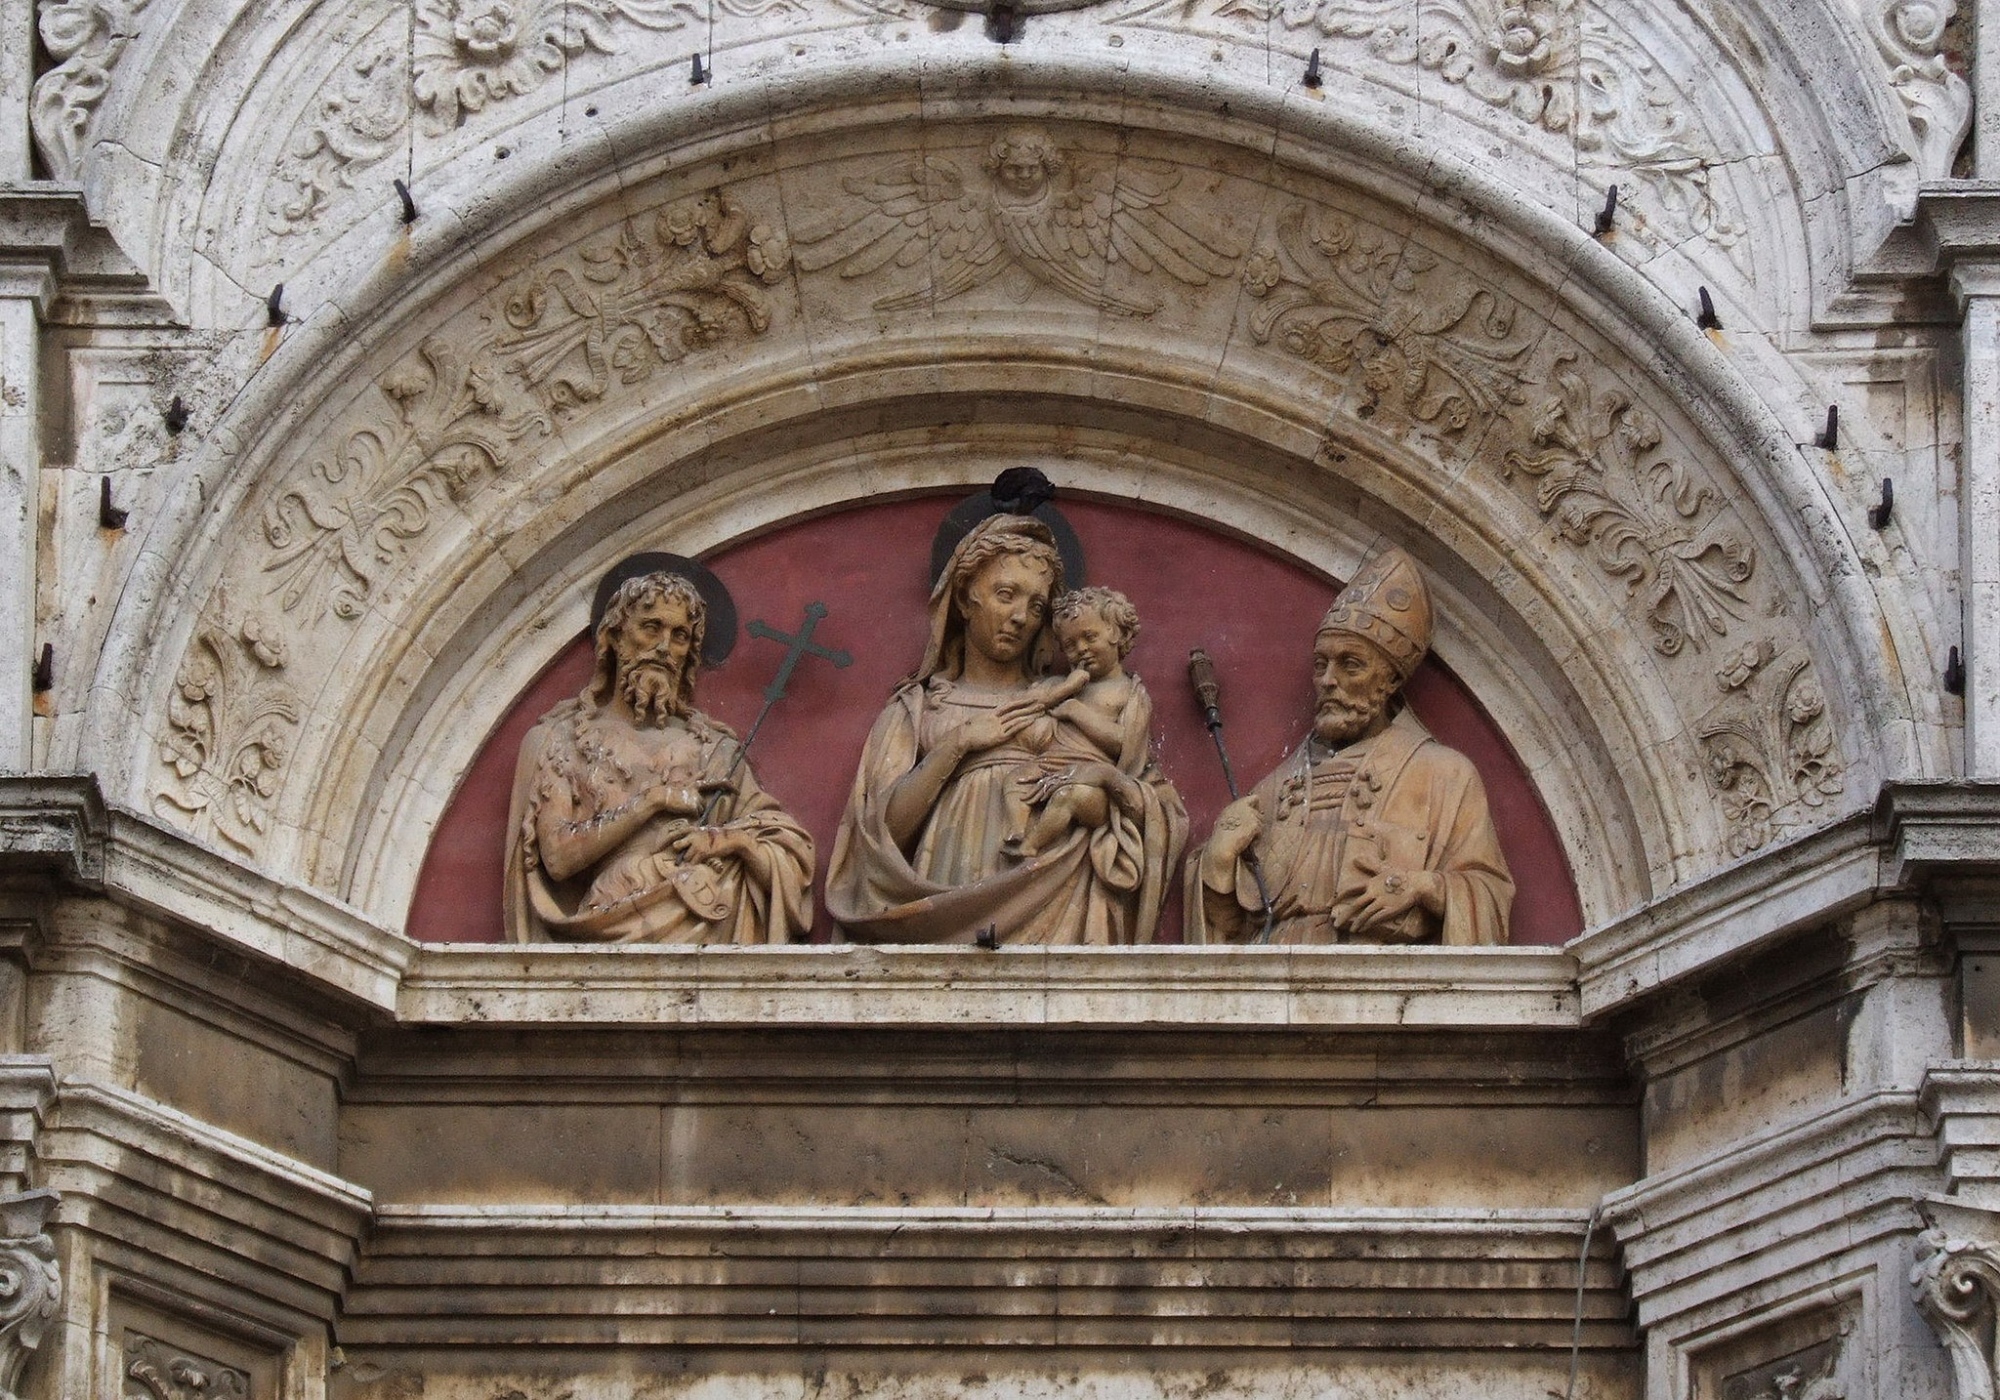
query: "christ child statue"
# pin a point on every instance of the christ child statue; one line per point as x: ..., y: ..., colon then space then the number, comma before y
x: 1104, y: 717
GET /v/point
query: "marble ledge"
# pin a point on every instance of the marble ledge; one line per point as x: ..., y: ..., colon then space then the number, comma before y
x: 854, y: 985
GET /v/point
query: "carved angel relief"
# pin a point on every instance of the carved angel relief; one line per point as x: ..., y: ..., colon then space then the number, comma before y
x: 1420, y: 346
x: 1056, y: 220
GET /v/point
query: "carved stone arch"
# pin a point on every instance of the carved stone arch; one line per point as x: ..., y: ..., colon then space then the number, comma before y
x: 294, y: 734
x: 1795, y: 106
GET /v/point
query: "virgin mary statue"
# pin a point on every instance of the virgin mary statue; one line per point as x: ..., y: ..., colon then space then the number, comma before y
x: 922, y: 854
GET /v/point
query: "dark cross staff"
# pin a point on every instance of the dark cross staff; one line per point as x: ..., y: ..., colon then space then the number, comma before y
x: 797, y: 646
x: 1208, y: 694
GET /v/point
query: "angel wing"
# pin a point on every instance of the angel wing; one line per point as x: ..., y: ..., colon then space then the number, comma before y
x: 1102, y: 218
x: 909, y: 212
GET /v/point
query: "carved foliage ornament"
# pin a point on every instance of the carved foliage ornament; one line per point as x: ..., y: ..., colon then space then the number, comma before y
x: 618, y: 309
x: 1956, y: 1283
x: 230, y: 722
x: 87, y: 38
x: 1418, y: 345
x: 443, y: 423
x: 1913, y: 37
x: 1553, y: 66
x: 358, y: 116
x: 30, y: 1284
x: 156, y: 1371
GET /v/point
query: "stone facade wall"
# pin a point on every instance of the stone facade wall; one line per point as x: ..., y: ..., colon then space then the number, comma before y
x: 343, y: 345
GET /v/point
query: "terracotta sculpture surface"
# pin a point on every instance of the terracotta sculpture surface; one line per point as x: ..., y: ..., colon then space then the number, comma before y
x: 992, y: 795
x: 632, y: 818
x: 1371, y: 831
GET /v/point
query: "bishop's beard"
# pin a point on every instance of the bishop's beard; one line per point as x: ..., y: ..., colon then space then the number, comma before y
x: 653, y: 692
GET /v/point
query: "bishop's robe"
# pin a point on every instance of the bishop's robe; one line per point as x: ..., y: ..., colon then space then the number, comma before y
x: 1398, y: 800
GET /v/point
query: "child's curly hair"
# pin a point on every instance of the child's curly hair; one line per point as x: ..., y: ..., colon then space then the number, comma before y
x: 1108, y: 603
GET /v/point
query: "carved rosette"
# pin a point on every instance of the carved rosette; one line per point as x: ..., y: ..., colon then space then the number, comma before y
x: 30, y: 1284
x: 156, y: 1371
x: 1956, y: 1283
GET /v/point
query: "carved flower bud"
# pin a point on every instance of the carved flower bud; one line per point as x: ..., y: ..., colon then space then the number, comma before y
x: 1523, y: 44
x: 1262, y: 273
x: 486, y: 33
x: 766, y: 253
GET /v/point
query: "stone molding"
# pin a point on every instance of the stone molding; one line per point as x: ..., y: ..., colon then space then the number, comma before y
x: 852, y: 985
x: 1939, y: 831
x: 998, y: 1278
x: 1799, y: 1204
x: 1750, y: 905
x: 1962, y: 1100
x: 147, y: 1181
x: 63, y: 824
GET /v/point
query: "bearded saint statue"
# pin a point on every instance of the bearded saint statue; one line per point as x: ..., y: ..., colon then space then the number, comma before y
x: 1371, y: 831
x: 632, y: 819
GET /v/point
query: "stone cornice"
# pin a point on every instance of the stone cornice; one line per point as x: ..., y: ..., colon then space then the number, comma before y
x: 994, y: 1277
x: 1920, y: 835
x: 852, y: 985
x: 1748, y: 906
x: 50, y: 246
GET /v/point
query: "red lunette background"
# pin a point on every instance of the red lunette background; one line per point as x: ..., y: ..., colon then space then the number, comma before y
x: 1193, y: 586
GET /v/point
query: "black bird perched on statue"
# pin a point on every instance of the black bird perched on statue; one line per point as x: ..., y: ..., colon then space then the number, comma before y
x: 1016, y: 491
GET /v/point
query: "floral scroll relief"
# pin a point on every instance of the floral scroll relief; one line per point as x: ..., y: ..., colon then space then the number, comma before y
x: 1421, y: 346
x: 1768, y: 743
x: 357, y: 118
x: 617, y: 309
x: 1552, y: 65
x: 155, y: 1371
x: 469, y: 53
x: 87, y: 38
x: 1912, y: 37
x: 230, y: 725
x: 1641, y: 516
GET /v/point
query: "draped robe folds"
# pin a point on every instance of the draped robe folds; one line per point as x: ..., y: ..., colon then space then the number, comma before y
x: 643, y: 892
x: 1096, y: 886
x: 1410, y: 804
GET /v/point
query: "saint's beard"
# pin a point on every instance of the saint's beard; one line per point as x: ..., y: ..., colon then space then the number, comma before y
x: 652, y: 689
x: 1338, y: 723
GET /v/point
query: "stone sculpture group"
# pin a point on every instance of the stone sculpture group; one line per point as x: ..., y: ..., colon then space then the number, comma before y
x: 1007, y: 792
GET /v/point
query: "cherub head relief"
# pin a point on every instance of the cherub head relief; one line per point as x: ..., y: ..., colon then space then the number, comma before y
x: 1023, y: 160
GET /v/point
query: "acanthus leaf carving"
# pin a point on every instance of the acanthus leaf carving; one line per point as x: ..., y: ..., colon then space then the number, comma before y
x: 469, y: 53
x: 1422, y: 346
x: 156, y: 1371
x: 1956, y: 1285
x: 87, y: 38
x: 1641, y: 516
x: 1911, y: 36
x: 334, y: 533
x: 30, y: 1282
x: 616, y: 309
x: 1554, y: 66
x: 357, y: 118
x: 230, y: 725
x: 644, y: 298
x: 1768, y: 743
x: 1049, y: 216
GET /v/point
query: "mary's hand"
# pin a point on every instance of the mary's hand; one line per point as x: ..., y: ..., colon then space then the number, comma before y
x: 991, y: 731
